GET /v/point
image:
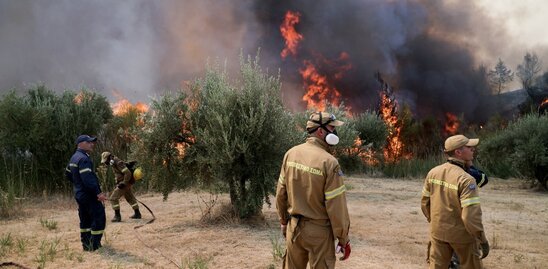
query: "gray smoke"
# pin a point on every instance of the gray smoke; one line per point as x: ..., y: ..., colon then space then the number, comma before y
x: 429, y: 51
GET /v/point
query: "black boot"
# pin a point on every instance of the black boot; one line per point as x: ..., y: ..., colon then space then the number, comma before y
x: 117, y: 216
x: 137, y: 214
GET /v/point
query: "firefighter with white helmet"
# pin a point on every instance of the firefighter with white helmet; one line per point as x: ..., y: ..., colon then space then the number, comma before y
x: 311, y: 198
x: 451, y: 204
x: 124, y: 181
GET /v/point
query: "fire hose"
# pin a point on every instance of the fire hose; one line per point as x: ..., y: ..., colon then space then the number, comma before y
x: 143, y: 242
x: 6, y: 264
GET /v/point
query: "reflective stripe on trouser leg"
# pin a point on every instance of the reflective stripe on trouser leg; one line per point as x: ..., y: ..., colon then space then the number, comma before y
x: 130, y: 198
x: 115, y: 198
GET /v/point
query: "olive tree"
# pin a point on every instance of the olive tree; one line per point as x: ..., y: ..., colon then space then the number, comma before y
x: 162, y: 141
x: 241, y: 133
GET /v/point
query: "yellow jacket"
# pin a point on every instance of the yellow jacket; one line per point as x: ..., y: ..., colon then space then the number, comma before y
x: 311, y: 185
x: 451, y: 203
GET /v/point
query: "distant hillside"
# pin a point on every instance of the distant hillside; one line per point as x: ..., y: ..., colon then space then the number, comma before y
x: 510, y: 101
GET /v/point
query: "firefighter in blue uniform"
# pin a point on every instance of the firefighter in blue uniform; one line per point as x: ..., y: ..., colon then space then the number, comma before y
x: 87, y: 192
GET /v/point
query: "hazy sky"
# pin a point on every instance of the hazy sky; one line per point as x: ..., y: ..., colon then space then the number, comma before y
x: 139, y: 48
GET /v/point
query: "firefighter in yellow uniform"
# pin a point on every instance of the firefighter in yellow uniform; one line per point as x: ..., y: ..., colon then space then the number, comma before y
x: 451, y: 204
x: 311, y: 199
x: 124, y: 181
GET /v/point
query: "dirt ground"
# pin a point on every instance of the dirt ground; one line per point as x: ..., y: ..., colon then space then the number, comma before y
x: 388, y: 230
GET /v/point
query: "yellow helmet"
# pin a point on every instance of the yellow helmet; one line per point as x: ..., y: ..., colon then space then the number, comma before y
x: 138, y: 174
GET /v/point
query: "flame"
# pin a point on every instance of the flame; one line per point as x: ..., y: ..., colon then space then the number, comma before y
x: 79, y: 98
x: 123, y: 107
x: 451, y: 124
x: 366, y: 154
x: 290, y: 35
x: 394, y: 149
x: 544, y: 102
x: 319, y: 87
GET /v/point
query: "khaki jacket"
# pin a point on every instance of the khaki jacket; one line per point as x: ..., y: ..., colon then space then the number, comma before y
x: 311, y: 185
x: 121, y: 172
x: 450, y: 201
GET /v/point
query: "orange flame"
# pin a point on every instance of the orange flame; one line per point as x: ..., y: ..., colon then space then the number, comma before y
x: 319, y: 88
x: 79, y: 98
x: 290, y: 35
x: 394, y: 149
x: 451, y: 124
x: 544, y: 102
x: 123, y: 107
x: 366, y: 154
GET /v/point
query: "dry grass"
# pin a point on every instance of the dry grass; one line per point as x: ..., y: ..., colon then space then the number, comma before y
x: 388, y: 231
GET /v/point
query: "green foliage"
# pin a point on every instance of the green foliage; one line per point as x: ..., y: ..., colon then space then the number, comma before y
x: 48, y: 223
x: 198, y: 262
x: 47, y: 252
x: 422, y: 138
x: 38, y: 131
x: 163, y: 137
x: 412, y: 168
x: 278, y: 247
x: 241, y: 135
x: 500, y: 76
x: 354, y: 154
x: 521, y: 149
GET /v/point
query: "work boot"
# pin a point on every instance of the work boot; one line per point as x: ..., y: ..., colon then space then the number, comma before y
x: 137, y: 214
x: 117, y: 216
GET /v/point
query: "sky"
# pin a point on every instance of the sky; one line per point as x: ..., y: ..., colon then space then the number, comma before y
x: 138, y: 49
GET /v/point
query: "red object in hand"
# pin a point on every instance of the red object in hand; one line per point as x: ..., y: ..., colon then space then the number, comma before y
x: 345, y: 250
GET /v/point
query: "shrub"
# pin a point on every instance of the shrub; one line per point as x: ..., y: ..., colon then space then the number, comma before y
x: 519, y: 150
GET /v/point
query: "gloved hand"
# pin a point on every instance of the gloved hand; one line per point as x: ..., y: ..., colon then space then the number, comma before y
x: 484, y: 249
x: 121, y: 185
x: 283, y: 229
x: 345, y: 249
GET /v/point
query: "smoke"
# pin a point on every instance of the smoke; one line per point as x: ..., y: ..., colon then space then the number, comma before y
x: 429, y: 51
x: 136, y: 48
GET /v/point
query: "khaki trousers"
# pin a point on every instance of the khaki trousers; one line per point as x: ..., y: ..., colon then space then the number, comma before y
x: 309, y: 242
x: 441, y: 252
x: 127, y: 193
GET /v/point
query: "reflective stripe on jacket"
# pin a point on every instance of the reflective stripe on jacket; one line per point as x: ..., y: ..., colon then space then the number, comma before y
x: 451, y: 203
x: 81, y: 173
x: 121, y: 172
x: 311, y: 185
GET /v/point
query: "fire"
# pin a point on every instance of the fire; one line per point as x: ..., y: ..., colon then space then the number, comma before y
x: 366, y: 154
x: 123, y: 107
x: 394, y: 149
x: 544, y: 102
x: 319, y: 87
x: 290, y: 35
x: 451, y: 124
x: 79, y: 98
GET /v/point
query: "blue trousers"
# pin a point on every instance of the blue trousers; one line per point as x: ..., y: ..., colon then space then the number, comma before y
x: 92, y: 223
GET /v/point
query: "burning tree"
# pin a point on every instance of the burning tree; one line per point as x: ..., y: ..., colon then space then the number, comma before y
x: 388, y: 111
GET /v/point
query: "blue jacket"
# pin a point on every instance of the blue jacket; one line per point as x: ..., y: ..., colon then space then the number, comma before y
x: 81, y: 173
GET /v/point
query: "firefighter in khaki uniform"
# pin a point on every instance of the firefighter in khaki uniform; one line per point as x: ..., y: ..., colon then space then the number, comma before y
x: 311, y: 200
x: 450, y: 202
x: 124, y: 180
